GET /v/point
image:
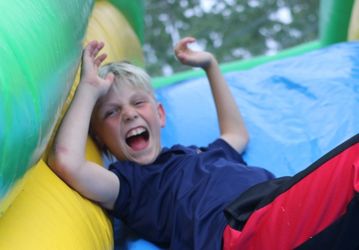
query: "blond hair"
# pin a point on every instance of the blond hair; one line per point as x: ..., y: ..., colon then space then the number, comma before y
x: 127, y: 73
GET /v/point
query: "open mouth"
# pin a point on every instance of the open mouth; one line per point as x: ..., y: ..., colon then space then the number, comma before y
x: 137, y: 139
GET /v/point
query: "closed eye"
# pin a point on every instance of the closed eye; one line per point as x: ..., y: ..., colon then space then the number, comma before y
x: 111, y: 112
x: 139, y: 99
x: 139, y: 103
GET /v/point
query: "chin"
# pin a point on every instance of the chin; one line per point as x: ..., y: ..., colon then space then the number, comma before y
x: 145, y: 160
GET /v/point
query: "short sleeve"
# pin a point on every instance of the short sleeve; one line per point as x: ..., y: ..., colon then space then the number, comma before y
x: 124, y: 193
x: 229, y: 151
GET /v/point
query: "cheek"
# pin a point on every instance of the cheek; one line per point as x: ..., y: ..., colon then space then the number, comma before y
x: 109, y: 127
x: 112, y: 127
x: 152, y: 118
x: 110, y: 122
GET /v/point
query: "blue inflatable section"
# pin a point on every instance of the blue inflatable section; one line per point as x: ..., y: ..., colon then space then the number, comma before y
x: 296, y: 110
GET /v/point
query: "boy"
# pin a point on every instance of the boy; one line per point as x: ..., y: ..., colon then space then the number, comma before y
x: 173, y: 197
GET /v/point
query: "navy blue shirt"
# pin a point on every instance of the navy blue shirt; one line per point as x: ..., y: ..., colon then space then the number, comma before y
x: 177, y: 202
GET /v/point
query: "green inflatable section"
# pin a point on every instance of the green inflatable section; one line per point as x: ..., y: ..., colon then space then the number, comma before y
x: 40, y: 50
x: 134, y: 12
x: 334, y: 20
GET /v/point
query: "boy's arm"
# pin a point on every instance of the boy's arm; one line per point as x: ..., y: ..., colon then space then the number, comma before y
x: 231, y: 124
x: 67, y: 158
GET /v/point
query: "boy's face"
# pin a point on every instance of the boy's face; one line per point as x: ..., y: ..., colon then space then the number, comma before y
x: 128, y: 121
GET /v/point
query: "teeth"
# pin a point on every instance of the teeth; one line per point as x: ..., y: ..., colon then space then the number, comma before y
x: 134, y: 132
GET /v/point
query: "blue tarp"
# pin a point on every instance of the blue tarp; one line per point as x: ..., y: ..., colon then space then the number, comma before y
x: 295, y: 109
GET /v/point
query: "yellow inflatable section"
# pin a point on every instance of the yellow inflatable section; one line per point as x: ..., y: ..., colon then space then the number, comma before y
x: 46, y: 213
x: 354, y: 23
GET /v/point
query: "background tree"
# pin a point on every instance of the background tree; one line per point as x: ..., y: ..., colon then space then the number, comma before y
x: 231, y: 29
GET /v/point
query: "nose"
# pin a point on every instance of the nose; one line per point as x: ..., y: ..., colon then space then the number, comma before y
x: 129, y: 113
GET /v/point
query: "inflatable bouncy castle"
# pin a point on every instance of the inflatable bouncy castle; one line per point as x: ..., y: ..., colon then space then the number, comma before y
x: 298, y: 105
x: 40, y: 53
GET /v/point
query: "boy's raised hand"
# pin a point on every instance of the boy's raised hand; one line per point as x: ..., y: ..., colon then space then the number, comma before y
x: 192, y: 58
x: 91, y: 62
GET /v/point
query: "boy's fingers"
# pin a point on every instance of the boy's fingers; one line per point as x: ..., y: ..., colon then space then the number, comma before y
x: 182, y: 45
x: 185, y: 41
x: 100, y: 59
x: 93, y: 47
x: 98, y: 47
x: 189, y: 40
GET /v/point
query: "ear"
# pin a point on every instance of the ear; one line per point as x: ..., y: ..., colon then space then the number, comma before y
x: 93, y: 134
x: 96, y: 139
x: 161, y: 114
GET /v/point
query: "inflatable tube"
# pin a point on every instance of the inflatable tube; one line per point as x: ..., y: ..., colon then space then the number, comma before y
x: 334, y: 20
x: 354, y: 23
x: 39, y: 55
x: 47, y: 214
x: 109, y: 25
x: 134, y: 12
x: 62, y: 218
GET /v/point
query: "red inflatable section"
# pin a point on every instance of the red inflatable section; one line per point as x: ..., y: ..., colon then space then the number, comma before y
x: 305, y: 209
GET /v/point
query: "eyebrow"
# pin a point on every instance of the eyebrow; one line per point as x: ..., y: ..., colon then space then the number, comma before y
x: 106, y: 106
x: 139, y: 95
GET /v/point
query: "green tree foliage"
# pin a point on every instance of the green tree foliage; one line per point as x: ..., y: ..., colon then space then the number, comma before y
x: 230, y: 29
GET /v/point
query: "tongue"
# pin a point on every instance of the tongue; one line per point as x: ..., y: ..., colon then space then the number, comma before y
x: 137, y: 143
